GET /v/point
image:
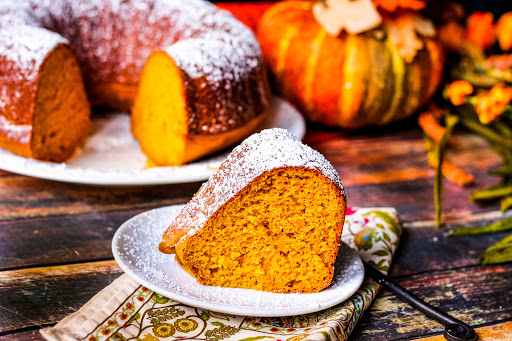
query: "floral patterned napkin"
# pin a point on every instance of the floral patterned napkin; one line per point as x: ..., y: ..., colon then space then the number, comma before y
x: 126, y: 310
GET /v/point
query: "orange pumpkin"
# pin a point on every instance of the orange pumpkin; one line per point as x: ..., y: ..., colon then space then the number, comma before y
x: 350, y: 81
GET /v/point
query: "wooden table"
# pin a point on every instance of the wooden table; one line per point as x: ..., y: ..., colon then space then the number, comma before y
x: 55, y: 238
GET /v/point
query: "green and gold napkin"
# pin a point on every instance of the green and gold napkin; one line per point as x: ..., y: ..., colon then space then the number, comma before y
x: 126, y: 310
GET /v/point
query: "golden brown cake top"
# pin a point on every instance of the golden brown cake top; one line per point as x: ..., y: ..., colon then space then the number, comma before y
x: 259, y: 153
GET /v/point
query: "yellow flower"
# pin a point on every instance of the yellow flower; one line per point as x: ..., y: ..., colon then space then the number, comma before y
x: 457, y: 92
x: 164, y: 329
x: 185, y: 325
x: 504, y: 31
x: 491, y: 104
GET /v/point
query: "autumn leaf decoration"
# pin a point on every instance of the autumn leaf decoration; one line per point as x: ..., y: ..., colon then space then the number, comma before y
x: 352, y: 16
x: 398, y: 18
x: 403, y: 33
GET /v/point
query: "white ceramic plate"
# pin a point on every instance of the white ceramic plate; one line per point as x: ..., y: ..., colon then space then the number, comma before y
x: 111, y: 156
x: 135, y: 248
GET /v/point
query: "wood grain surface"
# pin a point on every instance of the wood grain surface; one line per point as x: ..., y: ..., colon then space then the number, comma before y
x: 55, y: 238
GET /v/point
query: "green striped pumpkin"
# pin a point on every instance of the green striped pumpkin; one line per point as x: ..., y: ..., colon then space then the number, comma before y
x: 350, y: 81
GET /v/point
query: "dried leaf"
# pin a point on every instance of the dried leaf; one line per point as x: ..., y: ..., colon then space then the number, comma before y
x: 353, y: 16
x: 403, y: 32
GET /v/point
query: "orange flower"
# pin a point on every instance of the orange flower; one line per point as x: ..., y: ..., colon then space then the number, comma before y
x: 491, y: 104
x: 457, y: 92
x: 480, y: 30
x: 504, y: 31
x: 451, y: 35
x: 393, y: 5
x: 499, y: 61
x: 429, y: 122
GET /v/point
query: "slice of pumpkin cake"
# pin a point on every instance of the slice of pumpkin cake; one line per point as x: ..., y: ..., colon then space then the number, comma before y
x: 269, y: 219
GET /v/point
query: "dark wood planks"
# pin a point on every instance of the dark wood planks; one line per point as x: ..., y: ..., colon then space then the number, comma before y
x: 428, y: 249
x: 22, y: 197
x: 500, y: 331
x: 30, y: 335
x: 59, y: 239
x: 41, y: 296
x: 478, y: 295
x: 414, y: 199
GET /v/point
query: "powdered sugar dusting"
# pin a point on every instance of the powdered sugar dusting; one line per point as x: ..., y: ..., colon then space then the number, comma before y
x: 16, y: 132
x: 114, y: 38
x: 27, y: 47
x: 262, y: 152
x: 135, y: 247
x: 227, y: 49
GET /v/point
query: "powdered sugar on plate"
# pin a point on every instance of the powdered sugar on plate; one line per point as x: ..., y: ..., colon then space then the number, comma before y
x: 135, y: 248
x: 111, y: 156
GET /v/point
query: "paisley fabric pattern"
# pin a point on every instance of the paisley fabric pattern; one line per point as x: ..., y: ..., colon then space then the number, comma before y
x: 126, y: 310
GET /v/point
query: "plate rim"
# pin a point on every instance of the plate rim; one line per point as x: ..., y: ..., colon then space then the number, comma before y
x: 220, y: 307
x: 67, y: 173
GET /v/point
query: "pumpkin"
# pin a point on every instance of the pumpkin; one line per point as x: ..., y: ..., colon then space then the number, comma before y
x: 351, y: 80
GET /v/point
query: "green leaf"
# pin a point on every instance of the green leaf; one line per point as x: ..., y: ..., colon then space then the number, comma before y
x: 220, y: 316
x: 205, y: 315
x: 380, y: 265
x: 133, y: 318
x: 255, y: 338
x: 218, y: 324
x: 159, y: 299
x: 491, y: 194
x: 381, y: 253
x: 506, y: 204
x: 392, y: 223
x: 451, y: 122
x: 499, y: 226
x: 502, y: 128
x: 486, y: 132
x: 500, y: 171
x: 500, y: 252
x: 386, y: 236
x: 326, y: 336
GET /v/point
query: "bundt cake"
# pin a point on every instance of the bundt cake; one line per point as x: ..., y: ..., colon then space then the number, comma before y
x: 269, y: 219
x: 203, y: 88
